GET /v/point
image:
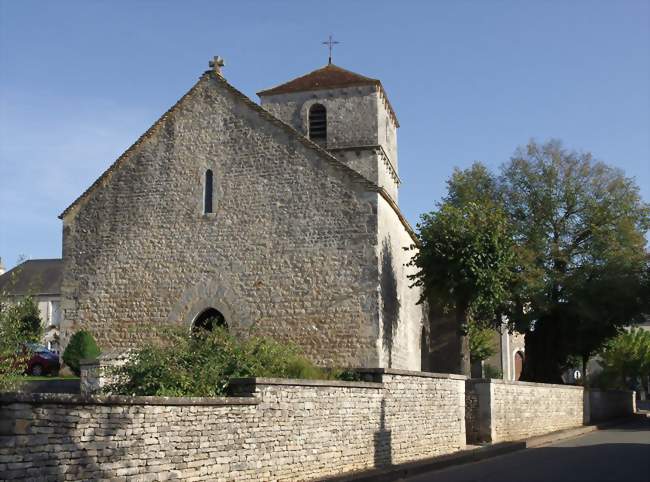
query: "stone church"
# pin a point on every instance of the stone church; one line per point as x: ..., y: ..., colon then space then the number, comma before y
x: 279, y: 218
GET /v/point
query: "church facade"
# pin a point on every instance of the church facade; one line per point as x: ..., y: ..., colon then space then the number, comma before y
x: 279, y: 219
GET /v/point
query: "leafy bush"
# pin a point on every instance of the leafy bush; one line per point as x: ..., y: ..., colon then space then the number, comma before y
x: 81, y: 345
x: 19, y: 323
x: 202, y: 364
x: 625, y: 360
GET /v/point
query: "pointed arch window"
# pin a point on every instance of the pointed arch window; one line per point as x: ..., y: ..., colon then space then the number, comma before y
x: 208, y: 192
x: 318, y: 123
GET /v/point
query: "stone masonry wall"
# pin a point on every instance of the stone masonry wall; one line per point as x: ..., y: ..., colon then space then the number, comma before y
x: 289, y: 252
x: 499, y: 410
x: 520, y: 410
x: 287, y: 430
x: 472, y: 416
x: 401, y: 317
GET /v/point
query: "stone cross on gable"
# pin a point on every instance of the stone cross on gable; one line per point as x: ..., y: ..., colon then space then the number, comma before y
x: 216, y: 63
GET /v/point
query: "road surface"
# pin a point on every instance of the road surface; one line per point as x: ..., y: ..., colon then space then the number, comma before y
x: 619, y: 453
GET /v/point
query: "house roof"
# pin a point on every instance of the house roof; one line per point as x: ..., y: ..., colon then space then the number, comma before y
x: 33, y: 277
x: 329, y: 77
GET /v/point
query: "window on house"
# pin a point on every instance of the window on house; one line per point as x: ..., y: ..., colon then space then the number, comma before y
x: 318, y: 123
x: 208, y: 192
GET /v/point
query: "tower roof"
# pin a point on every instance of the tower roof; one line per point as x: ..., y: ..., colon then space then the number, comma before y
x: 329, y: 77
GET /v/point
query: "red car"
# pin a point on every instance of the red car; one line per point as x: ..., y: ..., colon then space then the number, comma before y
x: 41, y: 360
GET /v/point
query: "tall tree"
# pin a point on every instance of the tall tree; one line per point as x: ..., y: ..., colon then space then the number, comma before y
x: 464, y: 264
x: 579, y: 227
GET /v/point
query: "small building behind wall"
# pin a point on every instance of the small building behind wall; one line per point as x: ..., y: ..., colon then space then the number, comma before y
x: 40, y: 279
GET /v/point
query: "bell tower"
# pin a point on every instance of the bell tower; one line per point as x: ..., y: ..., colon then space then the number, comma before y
x: 346, y: 113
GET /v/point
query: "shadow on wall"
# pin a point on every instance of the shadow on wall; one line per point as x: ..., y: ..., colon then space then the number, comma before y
x: 390, y: 302
x: 84, y: 460
x: 382, y: 442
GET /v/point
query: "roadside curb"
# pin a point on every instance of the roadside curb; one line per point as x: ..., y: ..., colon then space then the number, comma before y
x: 410, y: 469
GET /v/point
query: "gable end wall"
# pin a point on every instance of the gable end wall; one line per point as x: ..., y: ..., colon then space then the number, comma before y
x: 290, y: 251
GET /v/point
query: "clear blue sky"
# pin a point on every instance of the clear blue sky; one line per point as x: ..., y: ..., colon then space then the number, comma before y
x: 470, y: 80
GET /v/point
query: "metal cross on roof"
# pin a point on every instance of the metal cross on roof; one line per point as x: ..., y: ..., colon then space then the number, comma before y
x: 216, y: 63
x: 330, y: 43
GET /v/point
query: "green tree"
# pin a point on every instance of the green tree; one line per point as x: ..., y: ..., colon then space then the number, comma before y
x: 481, y: 342
x: 19, y: 323
x: 579, y: 228
x: 464, y: 264
x: 626, y: 359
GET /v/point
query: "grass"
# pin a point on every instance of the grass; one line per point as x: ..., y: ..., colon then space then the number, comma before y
x: 32, y: 378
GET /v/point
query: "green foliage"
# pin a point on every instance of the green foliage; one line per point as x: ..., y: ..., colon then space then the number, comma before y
x: 625, y: 360
x: 20, y: 323
x: 81, y: 346
x: 579, y: 228
x: 491, y: 372
x: 465, y: 258
x: 473, y: 185
x: 202, y: 364
x: 581, y: 268
x: 481, y: 342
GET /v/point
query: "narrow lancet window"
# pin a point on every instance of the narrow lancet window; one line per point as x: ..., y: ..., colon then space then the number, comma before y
x: 318, y: 123
x: 207, y: 193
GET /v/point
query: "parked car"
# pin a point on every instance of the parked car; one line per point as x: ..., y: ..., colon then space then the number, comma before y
x: 41, y: 361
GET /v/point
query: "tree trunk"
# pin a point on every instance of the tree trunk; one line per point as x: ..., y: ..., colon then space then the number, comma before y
x: 585, y: 360
x: 544, y: 353
x: 464, y: 362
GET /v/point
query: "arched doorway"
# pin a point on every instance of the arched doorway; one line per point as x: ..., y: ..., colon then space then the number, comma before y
x: 519, y: 364
x: 209, y: 319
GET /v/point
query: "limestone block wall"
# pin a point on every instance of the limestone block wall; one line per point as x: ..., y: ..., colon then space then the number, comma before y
x: 517, y: 410
x: 472, y: 416
x: 500, y: 410
x: 401, y: 317
x: 352, y: 118
x: 288, y: 251
x: 282, y: 430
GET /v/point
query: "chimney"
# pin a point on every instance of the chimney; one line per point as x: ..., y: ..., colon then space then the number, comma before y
x: 2, y: 267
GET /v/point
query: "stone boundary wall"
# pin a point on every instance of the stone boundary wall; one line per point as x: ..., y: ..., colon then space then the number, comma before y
x: 472, y: 420
x: 280, y: 430
x: 500, y: 410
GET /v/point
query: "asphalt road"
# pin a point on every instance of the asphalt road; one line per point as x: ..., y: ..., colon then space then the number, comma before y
x: 619, y: 453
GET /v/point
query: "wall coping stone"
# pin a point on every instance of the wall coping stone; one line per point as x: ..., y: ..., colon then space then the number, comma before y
x: 411, y: 373
x: 525, y: 384
x: 305, y: 383
x: 70, y: 399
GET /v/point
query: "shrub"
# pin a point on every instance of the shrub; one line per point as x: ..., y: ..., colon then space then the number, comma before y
x: 19, y: 323
x: 202, y: 364
x: 625, y: 360
x: 81, y: 345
